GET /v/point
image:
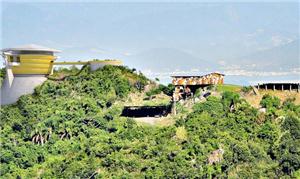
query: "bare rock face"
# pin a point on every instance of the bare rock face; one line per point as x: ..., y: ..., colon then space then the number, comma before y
x: 147, y: 88
x: 215, y: 156
x: 262, y: 110
x: 255, y: 90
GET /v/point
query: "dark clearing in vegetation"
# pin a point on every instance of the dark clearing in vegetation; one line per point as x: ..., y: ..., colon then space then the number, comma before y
x: 146, y: 111
x: 72, y: 129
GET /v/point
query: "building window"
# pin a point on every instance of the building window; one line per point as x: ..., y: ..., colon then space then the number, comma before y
x: 17, y: 59
x: 11, y: 58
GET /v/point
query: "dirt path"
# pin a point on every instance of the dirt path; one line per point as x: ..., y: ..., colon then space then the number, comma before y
x: 161, y: 121
x: 148, y: 120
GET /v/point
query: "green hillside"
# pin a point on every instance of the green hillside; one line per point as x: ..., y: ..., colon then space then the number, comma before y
x: 71, y: 128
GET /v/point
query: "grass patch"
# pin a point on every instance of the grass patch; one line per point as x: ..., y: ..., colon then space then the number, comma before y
x: 228, y: 87
x: 138, y: 99
x: 160, y: 101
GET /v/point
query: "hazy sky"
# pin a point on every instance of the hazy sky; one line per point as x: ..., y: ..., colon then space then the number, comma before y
x: 160, y: 38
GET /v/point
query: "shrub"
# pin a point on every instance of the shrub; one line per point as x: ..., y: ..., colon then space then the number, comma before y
x: 246, y: 89
x: 229, y: 98
x: 269, y: 101
x: 168, y: 90
x: 213, y: 106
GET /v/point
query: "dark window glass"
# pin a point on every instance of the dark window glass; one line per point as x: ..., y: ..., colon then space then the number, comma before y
x: 18, y: 59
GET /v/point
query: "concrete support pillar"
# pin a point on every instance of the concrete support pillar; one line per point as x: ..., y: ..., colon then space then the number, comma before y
x: 193, y: 99
x: 282, y: 88
x: 290, y: 87
x: 266, y: 87
x: 174, y: 108
x: 273, y: 87
x: 258, y: 86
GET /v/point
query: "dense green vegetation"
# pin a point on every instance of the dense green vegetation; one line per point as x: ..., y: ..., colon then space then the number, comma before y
x: 168, y: 90
x: 2, y: 75
x: 72, y: 129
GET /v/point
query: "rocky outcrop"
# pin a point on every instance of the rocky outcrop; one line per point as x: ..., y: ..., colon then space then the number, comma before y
x: 215, y: 156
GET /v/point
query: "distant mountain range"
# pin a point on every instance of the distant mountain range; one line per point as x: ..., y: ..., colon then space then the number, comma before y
x: 281, y: 58
x: 285, y: 57
x: 279, y: 61
x: 170, y: 59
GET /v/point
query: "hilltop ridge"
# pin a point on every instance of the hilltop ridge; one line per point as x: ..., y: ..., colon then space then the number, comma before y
x: 72, y: 128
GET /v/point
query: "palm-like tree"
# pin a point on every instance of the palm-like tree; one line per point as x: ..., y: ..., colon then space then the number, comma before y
x: 67, y: 129
x: 65, y: 133
x: 41, y: 134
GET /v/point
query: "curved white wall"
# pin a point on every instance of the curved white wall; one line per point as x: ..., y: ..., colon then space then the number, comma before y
x: 22, y: 84
x: 95, y: 66
x: 100, y: 64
